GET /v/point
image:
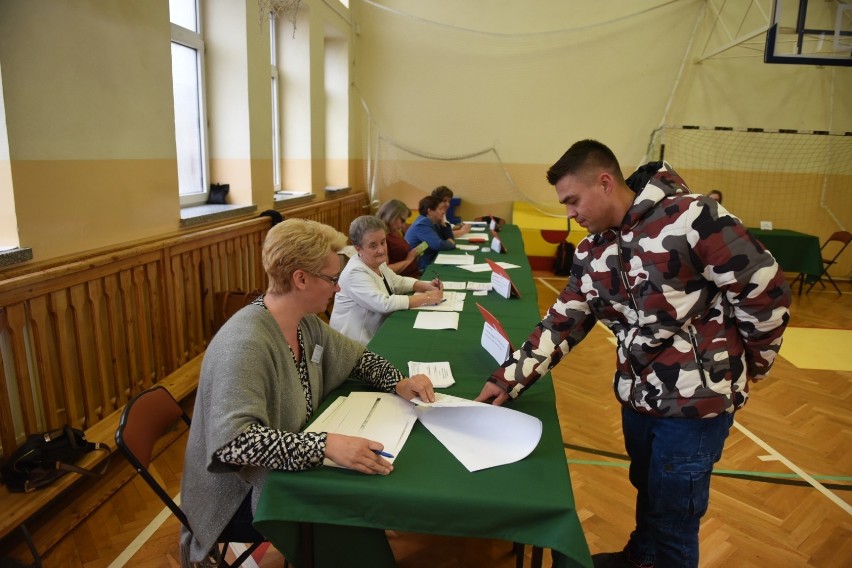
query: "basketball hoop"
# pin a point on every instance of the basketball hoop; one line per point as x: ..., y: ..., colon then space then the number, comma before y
x: 278, y: 9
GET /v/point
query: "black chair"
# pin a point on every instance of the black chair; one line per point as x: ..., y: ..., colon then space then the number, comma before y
x: 841, y: 237
x: 145, y: 418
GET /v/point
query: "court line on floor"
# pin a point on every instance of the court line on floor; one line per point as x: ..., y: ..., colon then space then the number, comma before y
x: 775, y: 455
x: 143, y: 537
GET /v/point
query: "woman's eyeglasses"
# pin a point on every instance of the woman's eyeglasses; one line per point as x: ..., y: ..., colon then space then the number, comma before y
x: 330, y: 279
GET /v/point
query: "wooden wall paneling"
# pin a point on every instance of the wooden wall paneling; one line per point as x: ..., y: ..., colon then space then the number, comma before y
x: 17, y: 322
x: 207, y: 277
x: 144, y: 348
x: 102, y: 346
x: 131, y: 330
x: 193, y: 301
x: 159, y: 323
x: 8, y: 439
x: 66, y: 343
x: 177, y: 311
x: 45, y: 362
x: 119, y: 365
x: 86, y: 357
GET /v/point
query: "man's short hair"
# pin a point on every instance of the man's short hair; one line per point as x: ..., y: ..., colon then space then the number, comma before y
x: 428, y: 203
x: 582, y: 156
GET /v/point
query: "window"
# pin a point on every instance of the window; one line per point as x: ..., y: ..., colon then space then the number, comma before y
x: 188, y: 86
x: 276, y: 125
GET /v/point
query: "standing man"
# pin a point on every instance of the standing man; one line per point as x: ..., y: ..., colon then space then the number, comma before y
x: 697, y: 306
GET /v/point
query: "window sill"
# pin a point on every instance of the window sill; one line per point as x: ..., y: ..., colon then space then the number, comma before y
x: 291, y: 198
x: 15, y: 255
x: 200, y: 214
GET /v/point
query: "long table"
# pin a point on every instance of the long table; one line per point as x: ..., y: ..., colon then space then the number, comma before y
x: 429, y: 491
x: 794, y: 251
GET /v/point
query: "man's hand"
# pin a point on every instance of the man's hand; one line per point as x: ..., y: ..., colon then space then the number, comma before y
x: 492, y: 391
x: 418, y: 385
x: 356, y: 453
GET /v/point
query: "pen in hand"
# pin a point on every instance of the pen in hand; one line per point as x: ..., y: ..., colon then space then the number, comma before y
x: 383, y: 454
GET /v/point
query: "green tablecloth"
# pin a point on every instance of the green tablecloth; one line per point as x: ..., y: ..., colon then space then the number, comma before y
x: 429, y: 491
x: 794, y: 251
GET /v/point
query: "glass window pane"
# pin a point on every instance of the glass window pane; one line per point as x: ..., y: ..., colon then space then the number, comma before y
x: 187, y: 119
x: 183, y: 13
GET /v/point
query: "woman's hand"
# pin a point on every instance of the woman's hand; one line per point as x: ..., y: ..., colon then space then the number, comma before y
x: 436, y: 284
x: 356, y: 453
x: 418, y: 385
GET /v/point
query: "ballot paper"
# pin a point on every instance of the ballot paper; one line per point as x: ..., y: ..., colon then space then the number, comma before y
x: 452, y: 302
x: 381, y: 417
x: 454, y: 285
x: 467, y: 247
x: 454, y: 259
x: 439, y: 373
x: 479, y: 435
x: 479, y: 286
x: 437, y: 320
x: 484, y: 267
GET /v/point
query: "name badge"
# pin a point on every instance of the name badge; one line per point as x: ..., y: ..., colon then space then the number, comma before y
x: 317, y: 356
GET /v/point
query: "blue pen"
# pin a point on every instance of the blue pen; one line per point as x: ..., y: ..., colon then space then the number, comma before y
x: 383, y: 454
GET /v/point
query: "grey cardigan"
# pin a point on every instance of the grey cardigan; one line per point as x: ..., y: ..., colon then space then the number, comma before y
x: 248, y: 376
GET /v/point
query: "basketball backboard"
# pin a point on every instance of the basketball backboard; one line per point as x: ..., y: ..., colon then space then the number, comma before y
x: 810, y: 32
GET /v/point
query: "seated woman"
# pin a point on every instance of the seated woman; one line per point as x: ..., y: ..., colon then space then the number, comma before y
x: 425, y: 229
x: 369, y: 290
x: 264, y: 375
x: 401, y: 257
x: 445, y: 228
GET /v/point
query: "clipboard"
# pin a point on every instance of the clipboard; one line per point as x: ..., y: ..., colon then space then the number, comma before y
x: 499, y: 270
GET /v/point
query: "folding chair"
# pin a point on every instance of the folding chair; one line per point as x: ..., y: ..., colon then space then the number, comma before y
x: 842, y: 237
x: 145, y: 418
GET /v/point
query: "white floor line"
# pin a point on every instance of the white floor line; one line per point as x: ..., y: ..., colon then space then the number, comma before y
x: 795, y: 469
x: 143, y: 537
x: 775, y: 455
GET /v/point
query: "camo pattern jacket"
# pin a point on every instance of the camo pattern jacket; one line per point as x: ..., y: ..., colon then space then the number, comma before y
x: 697, y: 306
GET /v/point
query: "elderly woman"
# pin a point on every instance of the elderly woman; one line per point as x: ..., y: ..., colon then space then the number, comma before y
x: 426, y: 228
x: 401, y: 257
x: 264, y: 375
x: 369, y: 290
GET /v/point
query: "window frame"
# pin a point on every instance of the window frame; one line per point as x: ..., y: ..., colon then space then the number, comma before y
x: 195, y: 41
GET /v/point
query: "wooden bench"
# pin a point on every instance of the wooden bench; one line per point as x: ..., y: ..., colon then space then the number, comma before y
x: 17, y: 510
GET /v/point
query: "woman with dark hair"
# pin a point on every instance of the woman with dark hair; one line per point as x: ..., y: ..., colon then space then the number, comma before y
x: 401, y: 257
x: 425, y: 230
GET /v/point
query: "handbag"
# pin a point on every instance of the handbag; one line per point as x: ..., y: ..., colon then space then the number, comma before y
x: 47, y: 456
x: 218, y: 193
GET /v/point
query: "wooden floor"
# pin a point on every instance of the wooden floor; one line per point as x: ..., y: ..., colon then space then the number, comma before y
x: 797, y: 418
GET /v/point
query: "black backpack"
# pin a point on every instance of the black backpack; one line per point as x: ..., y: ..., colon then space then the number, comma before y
x: 47, y: 456
x: 564, y: 259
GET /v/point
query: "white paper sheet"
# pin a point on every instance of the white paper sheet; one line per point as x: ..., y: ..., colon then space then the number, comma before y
x: 438, y: 372
x: 454, y: 259
x: 480, y: 435
x: 377, y: 416
x: 467, y: 247
x: 454, y: 285
x: 479, y: 286
x: 452, y: 302
x: 494, y: 342
x: 437, y: 320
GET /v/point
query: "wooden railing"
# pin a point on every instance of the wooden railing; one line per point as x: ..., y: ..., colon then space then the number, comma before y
x: 78, y: 339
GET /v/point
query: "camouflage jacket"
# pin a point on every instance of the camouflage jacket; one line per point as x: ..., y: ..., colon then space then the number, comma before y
x: 696, y: 304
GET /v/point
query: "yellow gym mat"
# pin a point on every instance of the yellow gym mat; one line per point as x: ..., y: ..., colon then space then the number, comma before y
x: 826, y: 349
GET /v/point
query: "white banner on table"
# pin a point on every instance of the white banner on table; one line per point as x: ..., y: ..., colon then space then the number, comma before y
x: 480, y: 435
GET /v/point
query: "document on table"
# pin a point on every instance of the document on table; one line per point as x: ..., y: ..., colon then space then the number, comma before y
x: 484, y: 267
x: 437, y: 320
x: 377, y: 416
x: 479, y: 435
x: 439, y: 373
x: 454, y: 259
x: 452, y: 302
x: 454, y: 285
x: 467, y: 247
x: 479, y: 286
